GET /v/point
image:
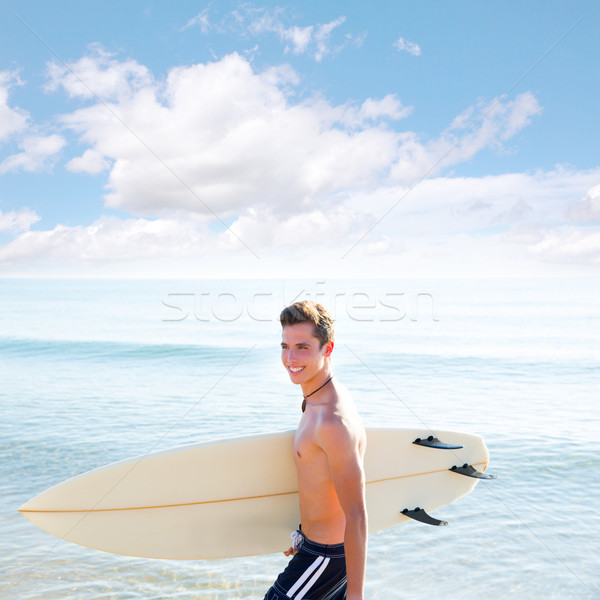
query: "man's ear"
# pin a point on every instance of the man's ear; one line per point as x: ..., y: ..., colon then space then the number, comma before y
x: 328, y: 348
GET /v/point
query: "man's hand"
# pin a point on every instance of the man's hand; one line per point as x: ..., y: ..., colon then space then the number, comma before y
x: 296, y: 543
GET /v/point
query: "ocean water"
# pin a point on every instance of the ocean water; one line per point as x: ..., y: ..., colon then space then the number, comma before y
x: 96, y: 371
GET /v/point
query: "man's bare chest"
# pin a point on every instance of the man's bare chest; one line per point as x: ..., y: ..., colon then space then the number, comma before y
x: 306, y: 448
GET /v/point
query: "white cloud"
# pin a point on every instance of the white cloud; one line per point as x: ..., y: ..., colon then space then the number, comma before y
x: 500, y: 225
x: 357, y: 40
x: 313, y: 38
x: 569, y: 244
x: 297, y: 180
x: 99, y: 75
x: 499, y: 117
x: 17, y: 221
x: 588, y: 209
x: 403, y: 45
x: 201, y: 20
x: 39, y: 152
x: 371, y: 114
x: 300, y: 37
x: 107, y: 239
x: 233, y: 139
x: 516, y: 114
x: 322, y: 35
x: 383, y: 246
x: 487, y: 125
x: 91, y: 162
x: 264, y: 230
x: 249, y: 19
x: 221, y: 137
x: 523, y: 234
x: 12, y: 119
x: 388, y: 107
x: 446, y: 207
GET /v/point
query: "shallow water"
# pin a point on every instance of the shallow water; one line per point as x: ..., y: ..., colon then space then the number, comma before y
x: 98, y: 371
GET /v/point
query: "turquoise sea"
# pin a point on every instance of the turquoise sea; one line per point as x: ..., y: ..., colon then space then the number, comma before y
x: 95, y: 371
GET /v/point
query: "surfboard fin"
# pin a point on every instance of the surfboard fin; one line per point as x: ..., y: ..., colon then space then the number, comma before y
x: 471, y: 471
x: 433, y: 442
x: 418, y: 514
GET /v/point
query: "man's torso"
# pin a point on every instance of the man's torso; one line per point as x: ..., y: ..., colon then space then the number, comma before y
x: 322, y: 516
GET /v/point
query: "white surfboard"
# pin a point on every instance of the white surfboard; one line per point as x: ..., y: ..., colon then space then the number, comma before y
x: 239, y: 497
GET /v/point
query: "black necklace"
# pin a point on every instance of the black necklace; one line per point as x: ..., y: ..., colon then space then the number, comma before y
x: 309, y: 395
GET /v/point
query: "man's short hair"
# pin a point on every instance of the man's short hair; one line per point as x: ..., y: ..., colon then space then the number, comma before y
x: 314, y: 313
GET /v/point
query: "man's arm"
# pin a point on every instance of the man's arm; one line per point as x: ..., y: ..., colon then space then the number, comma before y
x: 347, y: 474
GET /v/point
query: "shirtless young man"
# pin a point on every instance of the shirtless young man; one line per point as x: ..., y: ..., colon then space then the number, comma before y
x: 329, y: 552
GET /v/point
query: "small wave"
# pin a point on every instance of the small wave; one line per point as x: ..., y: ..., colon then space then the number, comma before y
x: 107, y: 350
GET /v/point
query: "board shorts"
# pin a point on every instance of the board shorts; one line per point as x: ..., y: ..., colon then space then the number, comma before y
x: 316, y: 572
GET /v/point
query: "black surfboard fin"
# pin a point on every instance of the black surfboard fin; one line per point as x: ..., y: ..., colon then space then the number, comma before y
x: 418, y: 514
x: 471, y: 471
x: 433, y: 442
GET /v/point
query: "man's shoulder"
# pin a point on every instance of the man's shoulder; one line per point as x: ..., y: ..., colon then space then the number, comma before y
x: 339, y: 427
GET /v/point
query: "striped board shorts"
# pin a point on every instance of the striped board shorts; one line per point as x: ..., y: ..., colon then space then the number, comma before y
x: 316, y: 572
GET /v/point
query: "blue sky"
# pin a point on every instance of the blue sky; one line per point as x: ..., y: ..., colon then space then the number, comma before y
x: 390, y: 139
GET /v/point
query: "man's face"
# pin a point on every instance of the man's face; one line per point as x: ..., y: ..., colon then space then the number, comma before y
x: 301, y: 352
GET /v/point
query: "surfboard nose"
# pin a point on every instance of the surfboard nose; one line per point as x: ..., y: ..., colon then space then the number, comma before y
x: 28, y: 510
x: 28, y: 506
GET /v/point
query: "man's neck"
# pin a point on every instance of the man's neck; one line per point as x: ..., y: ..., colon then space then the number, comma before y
x: 314, y: 385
